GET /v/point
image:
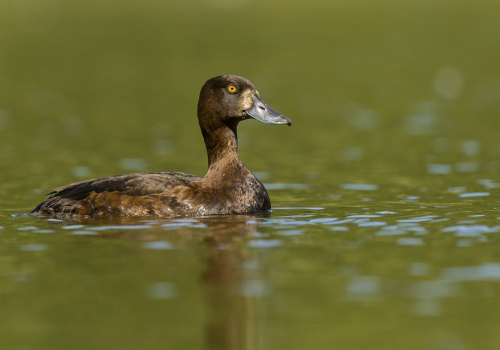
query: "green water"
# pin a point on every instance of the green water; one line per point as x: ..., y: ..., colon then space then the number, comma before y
x: 385, y: 190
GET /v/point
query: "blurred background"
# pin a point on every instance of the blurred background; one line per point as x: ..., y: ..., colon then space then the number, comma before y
x: 94, y: 88
x: 403, y: 96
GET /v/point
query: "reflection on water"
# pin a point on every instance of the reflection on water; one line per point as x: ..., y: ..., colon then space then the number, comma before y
x: 255, y: 276
x: 233, y: 285
x: 359, y: 187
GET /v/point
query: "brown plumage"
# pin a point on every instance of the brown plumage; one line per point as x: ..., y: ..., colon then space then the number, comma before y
x: 227, y: 188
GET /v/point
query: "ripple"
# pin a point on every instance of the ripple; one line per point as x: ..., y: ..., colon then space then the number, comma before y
x: 265, y: 243
x: 283, y: 186
x: 390, y: 232
x: 323, y: 220
x: 298, y: 208
x: 33, y: 247
x: 84, y: 233
x: 488, y: 184
x: 485, y: 272
x: 372, y: 224
x: 44, y: 231
x: 124, y: 227
x: 474, y: 194
x: 339, y: 222
x: 470, y: 230
x: 418, y: 219
x: 27, y: 228
x: 72, y: 227
x: 158, y: 245
x: 184, y: 224
x: 289, y: 233
x: 339, y: 228
x: 410, y: 241
x: 440, y: 220
x: 359, y: 187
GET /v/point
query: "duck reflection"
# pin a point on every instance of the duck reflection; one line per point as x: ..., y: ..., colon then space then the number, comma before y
x: 231, y: 322
x: 230, y: 281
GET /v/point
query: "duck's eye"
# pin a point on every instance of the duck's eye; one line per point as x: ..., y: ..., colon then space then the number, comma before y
x: 231, y: 89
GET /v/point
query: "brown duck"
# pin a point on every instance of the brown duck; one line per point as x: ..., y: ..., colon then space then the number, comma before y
x: 227, y: 188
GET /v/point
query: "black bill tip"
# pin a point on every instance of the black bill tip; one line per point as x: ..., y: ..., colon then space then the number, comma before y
x: 262, y: 112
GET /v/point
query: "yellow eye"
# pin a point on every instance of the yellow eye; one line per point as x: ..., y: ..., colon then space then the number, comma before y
x: 231, y: 89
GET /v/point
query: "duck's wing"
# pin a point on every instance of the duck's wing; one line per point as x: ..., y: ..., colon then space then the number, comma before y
x: 140, y: 184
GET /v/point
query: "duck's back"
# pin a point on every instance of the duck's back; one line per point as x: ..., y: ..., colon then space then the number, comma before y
x: 120, y: 195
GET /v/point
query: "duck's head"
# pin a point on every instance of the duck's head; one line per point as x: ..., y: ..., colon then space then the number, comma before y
x: 230, y: 99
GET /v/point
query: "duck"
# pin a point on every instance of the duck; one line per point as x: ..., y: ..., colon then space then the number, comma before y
x: 228, y: 188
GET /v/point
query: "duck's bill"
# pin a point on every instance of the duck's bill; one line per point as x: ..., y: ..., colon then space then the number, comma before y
x: 261, y: 111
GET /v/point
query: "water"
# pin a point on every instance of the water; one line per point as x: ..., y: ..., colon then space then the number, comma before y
x: 402, y: 271
x: 385, y: 191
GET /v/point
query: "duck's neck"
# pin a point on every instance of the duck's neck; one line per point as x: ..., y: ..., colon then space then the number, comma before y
x: 221, y: 141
